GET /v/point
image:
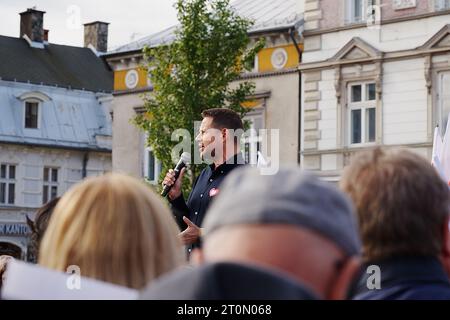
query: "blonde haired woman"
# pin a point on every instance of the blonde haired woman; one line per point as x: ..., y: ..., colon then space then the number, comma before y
x: 115, y: 230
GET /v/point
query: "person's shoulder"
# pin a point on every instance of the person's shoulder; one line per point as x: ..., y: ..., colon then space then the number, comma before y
x: 428, y: 292
x: 223, y: 281
x: 407, y: 291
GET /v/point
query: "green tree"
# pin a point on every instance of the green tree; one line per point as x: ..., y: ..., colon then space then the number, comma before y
x: 193, y: 73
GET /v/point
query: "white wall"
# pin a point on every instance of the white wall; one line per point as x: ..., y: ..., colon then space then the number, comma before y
x: 327, y: 108
x: 404, y: 99
x: 128, y: 140
x: 391, y: 37
x: 31, y: 161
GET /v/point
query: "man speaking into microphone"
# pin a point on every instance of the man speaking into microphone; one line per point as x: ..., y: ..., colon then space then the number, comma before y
x: 217, y: 142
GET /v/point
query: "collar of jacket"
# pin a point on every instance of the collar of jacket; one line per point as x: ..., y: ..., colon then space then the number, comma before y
x: 231, y: 163
x: 395, y: 271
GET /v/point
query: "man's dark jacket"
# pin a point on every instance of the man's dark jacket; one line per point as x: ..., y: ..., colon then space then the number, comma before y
x: 206, y: 187
x: 406, y: 278
x: 226, y: 281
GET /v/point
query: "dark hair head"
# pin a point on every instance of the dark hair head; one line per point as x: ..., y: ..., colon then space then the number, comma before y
x: 401, y: 202
x: 224, y: 118
x: 39, y: 225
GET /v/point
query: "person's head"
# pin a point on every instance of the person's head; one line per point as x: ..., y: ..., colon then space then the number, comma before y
x: 115, y: 229
x: 220, y: 127
x: 401, y: 202
x: 291, y: 222
x: 4, y: 260
x: 39, y: 225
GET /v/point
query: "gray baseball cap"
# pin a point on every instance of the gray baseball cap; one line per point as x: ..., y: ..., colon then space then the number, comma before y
x: 292, y: 197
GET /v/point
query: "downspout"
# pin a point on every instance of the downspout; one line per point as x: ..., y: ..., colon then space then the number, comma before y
x: 85, y: 161
x: 292, y: 35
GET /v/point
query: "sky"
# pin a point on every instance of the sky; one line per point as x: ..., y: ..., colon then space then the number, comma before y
x: 129, y: 20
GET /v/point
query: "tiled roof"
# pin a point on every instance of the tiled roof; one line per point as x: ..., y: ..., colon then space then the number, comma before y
x: 55, y: 65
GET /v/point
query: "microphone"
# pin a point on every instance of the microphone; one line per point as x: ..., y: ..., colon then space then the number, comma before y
x: 184, y: 159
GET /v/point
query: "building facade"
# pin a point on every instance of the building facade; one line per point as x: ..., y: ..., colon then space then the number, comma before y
x: 373, y: 73
x: 275, y: 105
x: 55, y: 126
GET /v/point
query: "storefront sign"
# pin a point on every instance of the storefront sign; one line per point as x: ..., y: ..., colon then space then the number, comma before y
x: 14, y: 229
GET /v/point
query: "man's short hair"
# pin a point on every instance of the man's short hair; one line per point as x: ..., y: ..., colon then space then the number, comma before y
x: 401, y: 202
x: 224, y: 118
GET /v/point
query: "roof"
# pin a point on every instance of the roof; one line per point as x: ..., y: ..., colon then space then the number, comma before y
x: 163, y: 37
x: 267, y: 15
x: 55, y: 65
x: 68, y: 118
x: 270, y: 14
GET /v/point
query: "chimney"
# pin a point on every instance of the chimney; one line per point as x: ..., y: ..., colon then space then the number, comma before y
x: 96, y: 34
x: 32, y: 25
x: 46, y: 35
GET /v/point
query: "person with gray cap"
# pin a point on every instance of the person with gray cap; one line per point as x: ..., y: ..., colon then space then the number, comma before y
x: 290, y: 224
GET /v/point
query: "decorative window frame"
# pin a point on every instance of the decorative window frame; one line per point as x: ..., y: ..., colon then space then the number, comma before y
x: 255, y: 138
x: 440, y: 5
x: 131, y: 79
x: 437, y: 70
x: 349, y: 17
x: 50, y: 183
x: 357, y: 62
x: 157, y: 169
x: 436, y: 61
x: 39, y: 113
x: 7, y: 181
x: 362, y: 105
x: 33, y: 97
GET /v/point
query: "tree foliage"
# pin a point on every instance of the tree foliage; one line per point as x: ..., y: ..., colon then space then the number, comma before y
x: 211, y: 49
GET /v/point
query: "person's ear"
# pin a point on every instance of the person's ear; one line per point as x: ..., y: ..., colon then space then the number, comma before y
x: 445, y: 252
x: 197, y: 257
x: 347, y: 274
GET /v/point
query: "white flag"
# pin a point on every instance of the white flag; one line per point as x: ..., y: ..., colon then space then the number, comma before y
x: 436, y: 155
x: 445, y: 153
x: 262, y: 162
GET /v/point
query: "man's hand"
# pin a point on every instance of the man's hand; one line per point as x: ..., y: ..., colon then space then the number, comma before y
x: 191, y: 234
x: 169, y: 180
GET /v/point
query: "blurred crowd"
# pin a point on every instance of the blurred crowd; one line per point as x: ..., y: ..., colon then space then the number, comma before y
x: 382, y: 233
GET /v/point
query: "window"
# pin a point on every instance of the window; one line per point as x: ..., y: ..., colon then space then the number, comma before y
x: 31, y: 115
x: 442, y: 4
x: 362, y: 113
x: 7, y: 183
x: 252, y: 139
x: 50, y: 186
x: 255, y: 64
x: 152, y: 166
x: 443, y: 100
x: 359, y: 10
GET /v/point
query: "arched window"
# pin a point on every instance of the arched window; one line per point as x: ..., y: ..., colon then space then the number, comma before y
x: 10, y: 249
x: 32, y: 102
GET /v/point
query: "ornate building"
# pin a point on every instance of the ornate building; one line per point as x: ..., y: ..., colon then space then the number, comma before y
x: 374, y: 73
x: 55, y: 126
x: 275, y: 105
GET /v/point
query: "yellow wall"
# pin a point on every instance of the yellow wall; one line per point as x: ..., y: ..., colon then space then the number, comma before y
x: 119, y: 79
x: 250, y: 104
x: 264, y: 65
x: 265, y: 55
